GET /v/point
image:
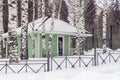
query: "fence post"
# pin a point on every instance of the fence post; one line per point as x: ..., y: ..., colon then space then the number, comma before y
x: 6, y: 67
x: 48, y: 62
x: 95, y: 62
x: 26, y: 66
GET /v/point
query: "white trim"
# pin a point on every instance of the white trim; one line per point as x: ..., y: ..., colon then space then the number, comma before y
x: 57, y: 44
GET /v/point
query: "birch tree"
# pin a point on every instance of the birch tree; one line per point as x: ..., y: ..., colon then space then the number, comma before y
x: 43, y: 30
x: 51, y: 29
x: 78, y: 6
x: 24, y: 42
x: 13, y: 50
x: 105, y: 6
x: 24, y: 30
x: 1, y: 30
x: 33, y: 38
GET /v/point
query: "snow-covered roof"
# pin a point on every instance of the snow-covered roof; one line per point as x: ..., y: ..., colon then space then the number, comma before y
x: 60, y: 27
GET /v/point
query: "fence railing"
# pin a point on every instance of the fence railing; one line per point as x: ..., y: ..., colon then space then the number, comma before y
x: 103, y: 58
x: 34, y: 66
x: 71, y: 61
x: 61, y: 62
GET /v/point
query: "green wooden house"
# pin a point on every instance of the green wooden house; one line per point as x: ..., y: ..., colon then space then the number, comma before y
x: 63, y: 42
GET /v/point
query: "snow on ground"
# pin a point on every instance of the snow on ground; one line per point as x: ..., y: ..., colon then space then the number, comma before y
x: 103, y: 72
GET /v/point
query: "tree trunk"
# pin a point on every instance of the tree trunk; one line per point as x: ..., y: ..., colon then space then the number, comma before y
x: 79, y: 23
x: 43, y: 30
x: 24, y: 6
x: 5, y: 15
x: 35, y: 9
x: 1, y: 31
x: 51, y: 34
x: 13, y: 50
x: 30, y: 10
x: 39, y: 9
x: 24, y: 30
x: 19, y: 12
x: 24, y: 43
x: 104, y: 31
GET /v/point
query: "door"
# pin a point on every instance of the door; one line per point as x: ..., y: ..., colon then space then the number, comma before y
x: 60, y: 46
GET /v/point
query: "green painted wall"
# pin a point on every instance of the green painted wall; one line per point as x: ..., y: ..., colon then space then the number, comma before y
x: 66, y: 45
x: 29, y: 46
x: 39, y: 43
x: 19, y: 44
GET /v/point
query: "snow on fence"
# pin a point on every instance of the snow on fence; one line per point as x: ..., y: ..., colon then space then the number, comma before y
x: 57, y: 63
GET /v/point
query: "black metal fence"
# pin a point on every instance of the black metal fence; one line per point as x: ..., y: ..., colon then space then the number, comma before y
x: 104, y: 58
x: 23, y: 66
x: 71, y: 61
x: 62, y: 62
